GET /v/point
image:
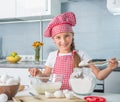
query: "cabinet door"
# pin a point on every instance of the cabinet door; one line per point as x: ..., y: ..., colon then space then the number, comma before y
x: 7, y: 9
x: 32, y: 7
x: 112, y: 82
x: 40, y: 9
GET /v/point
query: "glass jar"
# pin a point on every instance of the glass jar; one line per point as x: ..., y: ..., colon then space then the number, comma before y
x: 82, y: 81
x: 37, y: 54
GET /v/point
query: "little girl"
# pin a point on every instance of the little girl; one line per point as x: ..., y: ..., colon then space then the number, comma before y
x: 66, y: 58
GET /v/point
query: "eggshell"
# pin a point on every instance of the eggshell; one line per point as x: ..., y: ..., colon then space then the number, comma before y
x: 3, y: 98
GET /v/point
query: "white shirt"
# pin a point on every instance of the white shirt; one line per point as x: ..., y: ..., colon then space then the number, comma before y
x: 52, y: 57
x: 84, y: 57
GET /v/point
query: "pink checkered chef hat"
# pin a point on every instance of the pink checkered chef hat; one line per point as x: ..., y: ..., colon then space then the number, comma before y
x: 60, y: 24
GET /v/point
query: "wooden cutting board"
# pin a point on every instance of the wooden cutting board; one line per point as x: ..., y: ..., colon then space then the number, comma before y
x: 44, y: 99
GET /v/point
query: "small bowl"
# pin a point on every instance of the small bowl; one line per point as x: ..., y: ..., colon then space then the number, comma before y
x: 50, y: 83
x: 13, y: 59
x: 9, y: 90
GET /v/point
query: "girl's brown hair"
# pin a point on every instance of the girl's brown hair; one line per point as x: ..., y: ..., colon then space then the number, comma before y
x: 76, y: 57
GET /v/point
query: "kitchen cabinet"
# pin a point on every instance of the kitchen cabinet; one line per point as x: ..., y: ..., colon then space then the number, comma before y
x: 7, y: 9
x: 112, y: 82
x: 29, y: 9
x: 37, y: 8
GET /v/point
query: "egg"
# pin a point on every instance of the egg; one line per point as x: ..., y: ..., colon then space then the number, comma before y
x: 1, y: 84
x: 58, y: 94
x: 69, y: 95
x: 65, y: 91
x: 11, y: 81
x: 48, y: 94
x: 17, y: 79
x: 3, y: 98
x: 4, y: 78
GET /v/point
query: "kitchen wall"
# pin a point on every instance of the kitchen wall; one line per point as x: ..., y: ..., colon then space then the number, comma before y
x: 19, y: 37
x: 97, y: 31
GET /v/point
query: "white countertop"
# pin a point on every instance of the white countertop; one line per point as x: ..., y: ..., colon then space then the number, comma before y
x: 21, y: 64
x: 110, y: 97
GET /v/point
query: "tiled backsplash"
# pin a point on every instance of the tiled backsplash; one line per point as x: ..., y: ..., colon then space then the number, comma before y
x: 97, y: 32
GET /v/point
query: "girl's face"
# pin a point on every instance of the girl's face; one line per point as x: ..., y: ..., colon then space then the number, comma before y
x: 63, y: 41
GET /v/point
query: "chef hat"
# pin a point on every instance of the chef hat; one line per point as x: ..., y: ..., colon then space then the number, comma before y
x: 60, y: 24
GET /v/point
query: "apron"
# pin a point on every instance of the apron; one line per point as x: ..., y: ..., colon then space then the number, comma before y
x: 64, y: 65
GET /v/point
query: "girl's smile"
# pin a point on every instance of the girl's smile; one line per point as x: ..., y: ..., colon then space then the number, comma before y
x: 63, y: 41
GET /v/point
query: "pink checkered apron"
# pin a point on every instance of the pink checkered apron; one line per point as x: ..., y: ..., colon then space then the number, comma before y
x: 64, y: 65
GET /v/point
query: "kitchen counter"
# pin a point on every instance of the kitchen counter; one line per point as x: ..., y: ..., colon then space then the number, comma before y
x: 21, y: 64
x: 31, y: 64
x: 110, y: 97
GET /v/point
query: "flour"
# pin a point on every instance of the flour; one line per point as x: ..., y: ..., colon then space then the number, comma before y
x: 49, y: 87
x: 83, y: 85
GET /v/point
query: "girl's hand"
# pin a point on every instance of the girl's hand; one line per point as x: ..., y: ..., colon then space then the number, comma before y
x: 34, y: 71
x: 113, y: 63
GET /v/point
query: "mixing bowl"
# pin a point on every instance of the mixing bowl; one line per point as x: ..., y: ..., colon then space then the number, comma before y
x: 50, y: 83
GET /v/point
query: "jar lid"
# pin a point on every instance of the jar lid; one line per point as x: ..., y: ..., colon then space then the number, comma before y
x: 94, y: 99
